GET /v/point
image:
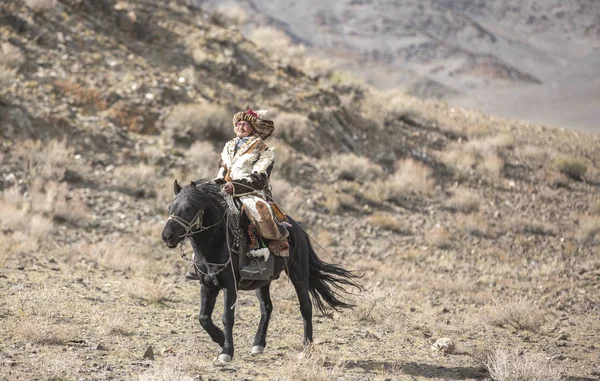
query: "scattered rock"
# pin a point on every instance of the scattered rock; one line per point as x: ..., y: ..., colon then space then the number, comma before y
x: 149, y: 354
x: 443, y: 345
x: 101, y: 347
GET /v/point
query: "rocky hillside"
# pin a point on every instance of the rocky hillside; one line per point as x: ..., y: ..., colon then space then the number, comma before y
x: 529, y: 60
x: 467, y: 227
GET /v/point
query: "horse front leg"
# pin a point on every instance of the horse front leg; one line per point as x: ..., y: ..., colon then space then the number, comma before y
x: 230, y: 296
x: 208, y: 298
x: 266, y: 307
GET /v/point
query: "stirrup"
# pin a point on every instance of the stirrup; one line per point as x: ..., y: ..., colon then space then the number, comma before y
x: 258, y: 269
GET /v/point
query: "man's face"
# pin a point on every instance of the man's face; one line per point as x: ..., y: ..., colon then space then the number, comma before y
x: 243, y: 129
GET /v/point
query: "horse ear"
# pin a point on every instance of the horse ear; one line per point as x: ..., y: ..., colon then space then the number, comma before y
x: 176, y: 188
x: 193, y: 184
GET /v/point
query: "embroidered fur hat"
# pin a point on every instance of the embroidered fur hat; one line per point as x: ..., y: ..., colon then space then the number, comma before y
x: 263, y: 127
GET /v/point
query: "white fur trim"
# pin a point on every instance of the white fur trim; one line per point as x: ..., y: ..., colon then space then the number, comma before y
x: 264, y: 253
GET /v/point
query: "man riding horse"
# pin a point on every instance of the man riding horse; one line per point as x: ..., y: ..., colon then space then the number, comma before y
x: 244, y: 171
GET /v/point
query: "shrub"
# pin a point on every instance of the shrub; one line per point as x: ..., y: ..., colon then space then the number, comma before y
x: 190, y: 122
x: 10, y: 55
x: 464, y: 201
x: 521, y: 225
x: 202, y: 160
x: 439, y: 237
x: 139, y: 180
x: 388, y: 222
x: 7, y: 76
x: 351, y: 167
x: 589, y: 228
x: 40, y: 5
x: 520, y: 314
x: 504, y: 366
x: 228, y: 16
x: 410, y: 178
x: 571, y: 167
x: 292, y: 128
x: 149, y: 291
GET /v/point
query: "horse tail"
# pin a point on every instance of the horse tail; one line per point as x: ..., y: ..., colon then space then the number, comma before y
x: 326, y: 282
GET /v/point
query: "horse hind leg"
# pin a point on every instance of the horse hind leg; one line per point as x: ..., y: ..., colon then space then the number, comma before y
x: 302, y: 291
x: 266, y: 307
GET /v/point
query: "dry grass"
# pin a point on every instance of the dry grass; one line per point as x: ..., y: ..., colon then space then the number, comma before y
x: 463, y: 200
x: 292, y: 128
x: 388, y: 222
x: 188, y: 123
x: 228, y: 16
x: 351, y: 167
x: 141, y: 177
x: 289, y: 198
x: 474, y: 225
x: 589, y: 229
x: 149, y: 291
x: 570, y: 166
x: 477, y: 157
x: 506, y: 366
x: 520, y: 314
x: 80, y: 95
x: 202, y: 160
x: 410, y: 178
x: 527, y: 226
x: 41, y: 5
x: 47, y: 160
x: 118, y: 253
x: 10, y: 56
x: 279, y: 44
x: 7, y: 76
x: 314, y: 364
x: 439, y: 237
x: 335, y: 199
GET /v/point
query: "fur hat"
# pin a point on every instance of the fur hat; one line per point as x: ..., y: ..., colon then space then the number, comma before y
x: 263, y: 127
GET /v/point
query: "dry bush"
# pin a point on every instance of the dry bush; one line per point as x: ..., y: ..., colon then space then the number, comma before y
x: 118, y: 253
x: 384, y: 106
x: 140, y: 178
x: 505, y: 366
x: 149, y: 291
x: 351, y: 167
x: 277, y: 42
x: 410, y: 178
x: 595, y: 208
x: 188, y: 123
x: 477, y: 157
x: 570, y: 166
x: 474, y: 225
x: 527, y: 226
x: 312, y: 365
x: 228, y: 16
x: 80, y: 95
x: 520, y: 314
x: 60, y: 367
x: 202, y: 160
x: 335, y: 199
x: 530, y: 152
x: 10, y: 56
x: 199, y: 56
x: 463, y: 200
x: 289, y: 198
x: 589, y: 229
x: 439, y: 237
x: 388, y: 222
x: 117, y: 324
x: 292, y: 128
x: 317, y: 68
x: 48, y: 160
x: 288, y: 163
x: 41, y: 5
x: 7, y: 76
x: 40, y: 317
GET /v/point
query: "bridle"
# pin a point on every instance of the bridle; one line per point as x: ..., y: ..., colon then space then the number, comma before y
x: 194, y: 227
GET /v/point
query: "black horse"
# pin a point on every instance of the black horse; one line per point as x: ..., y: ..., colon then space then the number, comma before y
x: 201, y: 213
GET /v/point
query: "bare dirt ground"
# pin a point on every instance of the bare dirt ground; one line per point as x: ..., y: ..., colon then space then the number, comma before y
x: 467, y: 227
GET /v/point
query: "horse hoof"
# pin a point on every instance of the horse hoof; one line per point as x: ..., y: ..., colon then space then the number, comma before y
x: 257, y: 349
x: 223, y: 358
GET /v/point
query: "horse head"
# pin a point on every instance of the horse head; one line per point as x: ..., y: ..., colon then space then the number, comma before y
x: 195, y: 206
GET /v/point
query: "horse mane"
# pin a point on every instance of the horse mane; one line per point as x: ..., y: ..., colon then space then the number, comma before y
x: 205, y: 195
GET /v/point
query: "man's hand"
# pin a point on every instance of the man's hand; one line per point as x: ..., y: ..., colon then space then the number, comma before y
x: 228, y: 188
